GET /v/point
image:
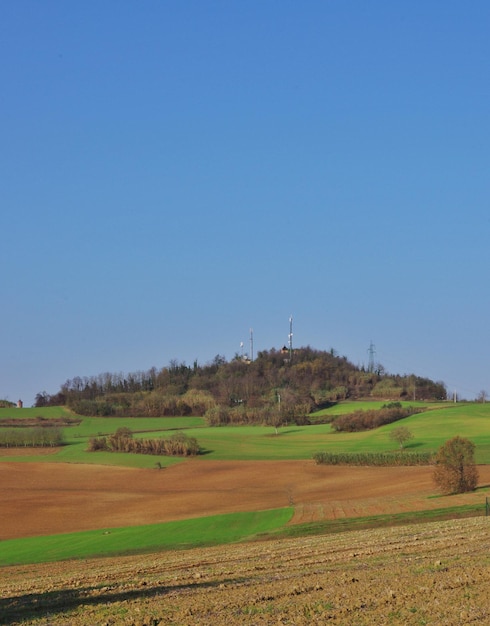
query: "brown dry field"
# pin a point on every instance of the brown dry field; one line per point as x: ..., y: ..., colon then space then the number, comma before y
x: 434, y: 574
x: 49, y: 498
x: 427, y: 574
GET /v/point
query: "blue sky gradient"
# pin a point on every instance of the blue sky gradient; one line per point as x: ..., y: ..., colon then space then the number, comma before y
x: 174, y: 173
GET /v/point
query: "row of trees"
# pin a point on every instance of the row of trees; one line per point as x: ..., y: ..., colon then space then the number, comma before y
x: 178, y: 444
x: 311, y: 377
x: 31, y: 437
x: 383, y: 459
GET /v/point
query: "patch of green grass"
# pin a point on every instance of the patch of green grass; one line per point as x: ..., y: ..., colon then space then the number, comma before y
x: 348, y: 406
x: 430, y: 429
x: 51, y: 411
x: 77, y: 437
x: 97, y: 426
x: 215, y: 530
x: 324, y: 527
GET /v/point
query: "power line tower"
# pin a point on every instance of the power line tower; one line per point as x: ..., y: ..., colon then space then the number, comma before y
x: 371, y: 352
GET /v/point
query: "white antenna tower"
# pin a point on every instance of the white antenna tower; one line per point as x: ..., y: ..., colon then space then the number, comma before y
x: 251, y: 344
x: 372, y: 352
x: 290, y: 338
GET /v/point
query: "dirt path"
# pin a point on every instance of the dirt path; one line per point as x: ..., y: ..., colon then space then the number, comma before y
x: 49, y: 498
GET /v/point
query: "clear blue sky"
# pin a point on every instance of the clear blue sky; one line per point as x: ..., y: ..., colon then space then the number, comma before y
x: 173, y: 173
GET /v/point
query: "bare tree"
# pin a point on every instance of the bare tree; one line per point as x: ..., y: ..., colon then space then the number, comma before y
x: 482, y: 396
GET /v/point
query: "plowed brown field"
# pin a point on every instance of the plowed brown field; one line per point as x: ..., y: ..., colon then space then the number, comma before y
x: 430, y: 574
x: 49, y: 498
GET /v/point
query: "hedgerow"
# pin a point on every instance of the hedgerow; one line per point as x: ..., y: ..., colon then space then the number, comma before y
x: 367, y: 420
x: 179, y: 444
x: 385, y: 459
x: 30, y: 437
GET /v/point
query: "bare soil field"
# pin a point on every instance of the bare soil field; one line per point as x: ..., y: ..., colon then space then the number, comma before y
x: 49, y: 498
x: 428, y: 574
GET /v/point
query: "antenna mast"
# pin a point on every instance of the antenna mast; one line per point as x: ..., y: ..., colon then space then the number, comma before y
x: 251, y: 344
x: 290, y: 338
x: 372, y: 352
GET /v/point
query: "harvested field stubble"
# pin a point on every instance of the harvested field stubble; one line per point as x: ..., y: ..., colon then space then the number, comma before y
x: 436, y: 573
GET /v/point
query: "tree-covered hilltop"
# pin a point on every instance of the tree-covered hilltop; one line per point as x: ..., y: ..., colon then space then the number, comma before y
x: 273, y: 381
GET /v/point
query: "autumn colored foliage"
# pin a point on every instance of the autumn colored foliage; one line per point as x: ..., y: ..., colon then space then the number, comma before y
x: 178, y: 444
x: 455, y: 470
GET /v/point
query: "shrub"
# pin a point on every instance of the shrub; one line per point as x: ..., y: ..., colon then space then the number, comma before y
x: 95, y: 444
x: 455, y: 470
x: 217, y: 416
x: 179, y: 444
x: 401, y: 435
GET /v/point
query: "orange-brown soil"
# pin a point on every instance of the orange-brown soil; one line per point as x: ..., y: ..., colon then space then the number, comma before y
x: 49, y: 498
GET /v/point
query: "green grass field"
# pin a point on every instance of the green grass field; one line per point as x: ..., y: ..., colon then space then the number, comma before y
x: 430, y: 430
x: 218, y: 529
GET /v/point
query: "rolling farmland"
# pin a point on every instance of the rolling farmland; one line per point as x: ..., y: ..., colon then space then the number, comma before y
x: 394, y: 574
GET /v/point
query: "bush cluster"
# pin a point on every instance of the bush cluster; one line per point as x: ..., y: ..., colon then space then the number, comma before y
x: 455, y: 470
x: 178, y: 444
x: 30, y: 437
x: 267, y: 415
x: 385, y: 459
x: 367, y: 420
x: 145, y: 404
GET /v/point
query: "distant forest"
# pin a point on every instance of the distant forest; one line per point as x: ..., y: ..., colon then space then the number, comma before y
x: 275, y: 386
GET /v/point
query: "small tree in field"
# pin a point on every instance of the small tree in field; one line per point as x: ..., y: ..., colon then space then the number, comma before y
x: 455, y: 470
x: 401, y: 435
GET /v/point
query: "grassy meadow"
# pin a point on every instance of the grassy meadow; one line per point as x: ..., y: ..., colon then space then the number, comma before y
x: 430, y: 430
x: 190, y: 533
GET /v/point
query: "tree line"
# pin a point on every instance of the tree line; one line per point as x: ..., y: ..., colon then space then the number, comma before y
x: 297, y: 383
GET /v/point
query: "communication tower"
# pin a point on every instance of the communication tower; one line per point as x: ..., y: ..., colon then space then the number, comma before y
x: 372, y: 352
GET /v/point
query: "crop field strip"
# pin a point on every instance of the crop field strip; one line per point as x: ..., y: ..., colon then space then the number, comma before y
x: 437, y: 573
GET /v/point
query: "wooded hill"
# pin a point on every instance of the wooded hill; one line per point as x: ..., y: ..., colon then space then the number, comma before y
x: 275, y: 381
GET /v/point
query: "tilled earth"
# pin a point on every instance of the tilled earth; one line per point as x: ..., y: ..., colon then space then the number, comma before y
x: 434, y: 574
x: 49, y: 498
x: 437, y: 574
